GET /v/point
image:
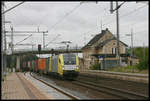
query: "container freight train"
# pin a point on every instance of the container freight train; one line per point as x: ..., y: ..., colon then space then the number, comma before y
x: 62, y: 65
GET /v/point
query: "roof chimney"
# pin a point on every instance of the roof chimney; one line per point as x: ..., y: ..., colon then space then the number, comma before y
x: 106, y: 29
x: 103, y: 31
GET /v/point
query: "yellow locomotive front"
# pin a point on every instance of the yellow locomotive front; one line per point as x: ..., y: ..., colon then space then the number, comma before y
x: 69, y: 65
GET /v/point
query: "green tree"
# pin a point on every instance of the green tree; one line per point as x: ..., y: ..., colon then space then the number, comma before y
x: 142, y: 54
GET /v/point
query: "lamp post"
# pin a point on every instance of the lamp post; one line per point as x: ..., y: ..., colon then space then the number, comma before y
x: 67, y: 43
x: 44, y: 39
x: 131, y: 53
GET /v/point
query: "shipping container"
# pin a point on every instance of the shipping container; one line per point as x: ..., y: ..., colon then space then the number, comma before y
x: 33, y: 64
x: 36, y: 65
x: 41, y: 64
x: 24, y: 64
x: 47, y: 66
x: 30, y: 65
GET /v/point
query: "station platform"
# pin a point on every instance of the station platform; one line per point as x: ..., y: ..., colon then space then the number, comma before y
x: 16, y: 86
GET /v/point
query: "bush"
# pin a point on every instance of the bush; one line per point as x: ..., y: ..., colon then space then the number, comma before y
x: 96, y: 67
x: 143, y: 64
x: 142, y: 54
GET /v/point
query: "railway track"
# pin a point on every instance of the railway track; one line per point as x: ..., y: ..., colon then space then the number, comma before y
x: 56, y: 88
x: 123, y: 94
x: 118, y: 93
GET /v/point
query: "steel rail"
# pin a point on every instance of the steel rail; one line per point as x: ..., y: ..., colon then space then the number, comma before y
x: 118, y: 73
x: 113, y: 91
x: 58, y: 89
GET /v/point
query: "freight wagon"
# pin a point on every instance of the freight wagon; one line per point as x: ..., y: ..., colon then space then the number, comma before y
x: 33, y: 65
x: 25, y: 66
x: 47, y: 66
x: 28, y: 64
x: 36, y: 66
x: 30, y: 68
x: 41, y: 65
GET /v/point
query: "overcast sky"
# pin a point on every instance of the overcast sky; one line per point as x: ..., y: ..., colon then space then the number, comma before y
x: 75, y: 22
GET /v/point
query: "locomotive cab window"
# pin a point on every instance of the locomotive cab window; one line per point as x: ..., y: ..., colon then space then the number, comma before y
x: 69, y: 59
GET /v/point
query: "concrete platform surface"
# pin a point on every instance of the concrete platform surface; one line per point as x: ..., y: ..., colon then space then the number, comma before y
x: 16, y: 86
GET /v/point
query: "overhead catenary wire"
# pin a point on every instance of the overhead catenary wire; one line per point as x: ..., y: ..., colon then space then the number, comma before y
x: 131, y: 12
x: 67, y: 14
x: 23, y: 39
x: 13, y: 7
x: 124, y: 15
x: 105, y: 9
x: 48, y: 13
x: 52, y: 40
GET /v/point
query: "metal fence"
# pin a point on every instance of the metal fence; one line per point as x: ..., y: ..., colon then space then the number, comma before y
x: 107, y: 64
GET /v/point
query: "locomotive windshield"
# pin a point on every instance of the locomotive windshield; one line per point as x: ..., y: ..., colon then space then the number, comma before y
x: 69, y: 59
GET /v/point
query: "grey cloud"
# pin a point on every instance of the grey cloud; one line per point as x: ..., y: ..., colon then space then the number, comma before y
x: 83, y: 19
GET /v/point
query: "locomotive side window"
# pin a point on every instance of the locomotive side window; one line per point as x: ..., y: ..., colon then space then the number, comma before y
x: 59, y: 61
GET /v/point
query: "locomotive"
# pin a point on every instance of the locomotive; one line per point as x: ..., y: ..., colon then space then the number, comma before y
x: 62, y: 65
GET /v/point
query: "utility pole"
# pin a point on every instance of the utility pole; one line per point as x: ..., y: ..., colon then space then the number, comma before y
x: 76, y: 48
x: 117, y: 25
x: 3, y: 30
x: 104, y: 58
x: 5, y: 47
x: 132, y: 40
x: 117, y: 19
x: 101, y: 26
x: 43, y: 41
x: 144, y: 49
x: 12, y: 48
x: 4, y: 58
x: 132, y: 48
x: 84, y: 39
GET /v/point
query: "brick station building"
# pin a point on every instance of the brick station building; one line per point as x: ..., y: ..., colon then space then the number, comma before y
x: 102, y: 49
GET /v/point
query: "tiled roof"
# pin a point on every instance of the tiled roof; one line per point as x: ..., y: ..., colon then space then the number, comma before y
x: 95, y: 39
x: 106, y: 41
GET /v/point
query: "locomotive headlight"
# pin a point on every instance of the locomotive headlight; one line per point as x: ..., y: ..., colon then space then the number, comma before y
x: 77, y: 67
x: 63, y: 67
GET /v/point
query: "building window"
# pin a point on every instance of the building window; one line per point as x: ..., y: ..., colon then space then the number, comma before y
x: 113, y: 50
